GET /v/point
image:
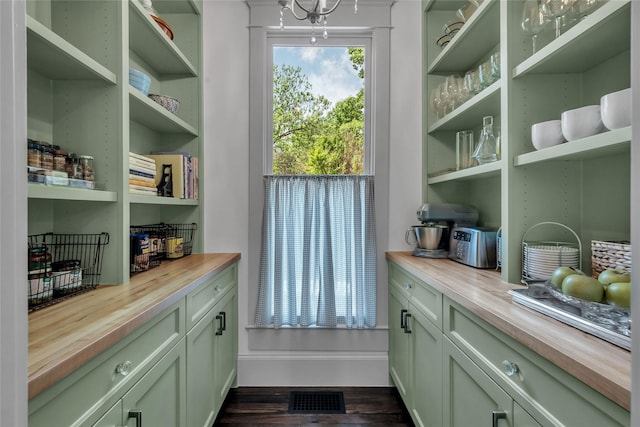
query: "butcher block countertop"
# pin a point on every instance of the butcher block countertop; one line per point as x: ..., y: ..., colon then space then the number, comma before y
x: 66, y: 335
x: 603, y: 366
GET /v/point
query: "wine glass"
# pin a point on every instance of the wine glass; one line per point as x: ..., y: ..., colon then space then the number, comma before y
x: 533, y: 20
x: 452, y: 90
x: 556, y: 9
x: 436, y: 102
x: 585, y: 7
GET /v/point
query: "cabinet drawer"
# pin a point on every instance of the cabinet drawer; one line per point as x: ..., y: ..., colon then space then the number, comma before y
x: 548, y: 393
x: 83, y: 396
x: 422, y: 296
x: 201, y: 300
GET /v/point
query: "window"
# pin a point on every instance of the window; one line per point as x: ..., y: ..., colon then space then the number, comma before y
x: 318, y: 243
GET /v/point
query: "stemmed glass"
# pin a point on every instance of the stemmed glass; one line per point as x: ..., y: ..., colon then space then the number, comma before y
x: 436, y: 102
x: 452, y: 90
x: 585, y: 7
x: 533, y: 20
x: 556, y: 9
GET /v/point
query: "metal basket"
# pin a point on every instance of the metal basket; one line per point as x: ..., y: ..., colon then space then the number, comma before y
x: 558, y: 257
x: 63, y: 265
x: 153, y: 243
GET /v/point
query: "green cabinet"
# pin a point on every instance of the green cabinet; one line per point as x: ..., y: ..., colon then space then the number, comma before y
x: 169, y: 374
x: 459, y: 371
x: 79, y: 97
x: 415, y: 353
x: 470, y: 396
x: 211, y: 361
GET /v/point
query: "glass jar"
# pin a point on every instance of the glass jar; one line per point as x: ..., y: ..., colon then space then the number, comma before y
x: 59, y: 159
x: 485, y: 151
x: 34, y: 154
x: 86, y: 166
x: 47, y: 157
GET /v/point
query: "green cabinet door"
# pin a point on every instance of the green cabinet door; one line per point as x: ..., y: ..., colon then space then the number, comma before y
x: 201, y: 395
x: 160, y: 394
x: 426, y: 363
x: 471, y: 398
x: 398, y: 342
x: 113, y: 417
x: 227, y: 345
x: 522, y: 418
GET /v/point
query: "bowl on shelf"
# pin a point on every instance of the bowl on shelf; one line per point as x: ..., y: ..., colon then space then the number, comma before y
x: 139, y: 80
x: 166, y: 28
x: 615, y: 109
x: 171, y: 104
x: 581, y: 122
x: 547, y: 134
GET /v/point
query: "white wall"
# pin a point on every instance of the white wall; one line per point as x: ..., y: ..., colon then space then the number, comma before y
x: 227, y: 204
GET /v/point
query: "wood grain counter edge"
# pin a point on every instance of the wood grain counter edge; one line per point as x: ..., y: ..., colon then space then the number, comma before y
x: 603, y: 366
x: 64, y: 336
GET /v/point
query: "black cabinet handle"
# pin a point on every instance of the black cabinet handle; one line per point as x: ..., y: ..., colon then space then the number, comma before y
x: 497, y: 415
x: 219, y: 318
x: 224, y: 320
x: 403, y: 325
x: 406, y: 323
x: 137, y: 414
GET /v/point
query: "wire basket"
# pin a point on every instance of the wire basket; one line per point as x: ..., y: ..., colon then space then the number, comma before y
x: 153, y: 243
x: 63, y: 265
x: 541, y: 257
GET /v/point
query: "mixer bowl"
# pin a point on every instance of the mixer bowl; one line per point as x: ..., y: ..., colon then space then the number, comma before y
x: 425, y: 236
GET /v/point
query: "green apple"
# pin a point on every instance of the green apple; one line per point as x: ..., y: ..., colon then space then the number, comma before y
x: 583, y: 287
x: 613, y: 276
x: 619, y: 294
x: 560, y: 273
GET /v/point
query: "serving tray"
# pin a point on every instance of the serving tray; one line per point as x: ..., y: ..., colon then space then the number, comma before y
x: 610, y: 324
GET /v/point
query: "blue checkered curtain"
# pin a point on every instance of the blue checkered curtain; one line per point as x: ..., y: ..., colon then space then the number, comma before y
x: 318, y: 263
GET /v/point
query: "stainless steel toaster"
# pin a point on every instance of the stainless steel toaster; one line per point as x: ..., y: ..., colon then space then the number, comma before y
x: 474, y: 246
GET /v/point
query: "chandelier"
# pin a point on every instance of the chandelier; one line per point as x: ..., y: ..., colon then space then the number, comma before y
x: 315, y: 11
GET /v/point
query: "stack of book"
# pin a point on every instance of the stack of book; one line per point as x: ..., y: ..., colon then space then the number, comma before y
x: 142, y: 175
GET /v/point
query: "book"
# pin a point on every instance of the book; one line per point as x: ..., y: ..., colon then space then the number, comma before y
x: 137, y: 189
x: 141, y: 165
x: 178, y: 172
x: 186, y: 171
x: 140, y: 157
x: 134, y: 177
x: 143, y: 183
x: 142, y: 170
x: 195, y: 180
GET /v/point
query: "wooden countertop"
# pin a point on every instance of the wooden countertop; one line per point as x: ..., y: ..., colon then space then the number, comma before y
x: 66, y: 335
x: 603, y: 366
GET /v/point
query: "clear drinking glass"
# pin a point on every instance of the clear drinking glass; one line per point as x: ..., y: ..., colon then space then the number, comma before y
x: 533, y: 21
x: 436, y: 102
x: 452, y: 91
x: 585, y: 7
x: 484, y: 75
x: 556, y: 9
x: 494, y: 62
x: 464, y: 149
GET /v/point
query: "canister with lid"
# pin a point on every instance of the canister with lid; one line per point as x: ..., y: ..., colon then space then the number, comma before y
x: 34, y: 154
x: 47, y: 157
x: 59, y: 159
x: 86, y: 165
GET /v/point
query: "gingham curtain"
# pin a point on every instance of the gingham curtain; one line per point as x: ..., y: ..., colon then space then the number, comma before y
x: 318, y: 263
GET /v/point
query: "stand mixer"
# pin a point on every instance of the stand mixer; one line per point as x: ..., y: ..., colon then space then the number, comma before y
x: 431, y: 239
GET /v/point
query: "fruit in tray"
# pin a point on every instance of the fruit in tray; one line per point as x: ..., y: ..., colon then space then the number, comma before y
x: 611, y: 287
x: 560, y: 273
x: 583, y: 287
x: 611, y: 275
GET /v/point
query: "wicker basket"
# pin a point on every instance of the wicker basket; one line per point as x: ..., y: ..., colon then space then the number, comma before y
x: 610, y: 254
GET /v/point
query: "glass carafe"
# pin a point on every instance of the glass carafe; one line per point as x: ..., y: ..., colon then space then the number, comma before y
x: 485, y: 151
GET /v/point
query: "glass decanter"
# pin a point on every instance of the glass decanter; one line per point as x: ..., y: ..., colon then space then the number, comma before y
x: 485, y: 151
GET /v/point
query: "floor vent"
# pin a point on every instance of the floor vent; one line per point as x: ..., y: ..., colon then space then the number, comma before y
x: 316, y: 402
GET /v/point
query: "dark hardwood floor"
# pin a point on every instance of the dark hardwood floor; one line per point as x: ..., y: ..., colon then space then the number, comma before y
x: 268, y: 406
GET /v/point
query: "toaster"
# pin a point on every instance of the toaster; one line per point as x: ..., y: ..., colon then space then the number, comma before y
x: 474, y: 246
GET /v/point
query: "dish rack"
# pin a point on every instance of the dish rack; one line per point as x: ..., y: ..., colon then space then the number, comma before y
x: 556, y: 254
x: 62, y: 266
x: 153, y: 243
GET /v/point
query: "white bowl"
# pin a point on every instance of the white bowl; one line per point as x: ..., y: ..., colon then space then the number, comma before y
x: 581, y: 122
x: 546, y: 134
x: 615, y: 109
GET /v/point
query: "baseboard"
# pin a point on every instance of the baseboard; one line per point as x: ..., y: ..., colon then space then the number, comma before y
x: 366, y: 369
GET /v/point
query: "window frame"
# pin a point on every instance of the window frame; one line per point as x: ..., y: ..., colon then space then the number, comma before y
x: 346, y: 39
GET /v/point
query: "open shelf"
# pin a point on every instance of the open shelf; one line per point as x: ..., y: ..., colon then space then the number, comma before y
x: 477, y: 36
x: 601, y: 35
x: 177, y: 6
x: 54, y: 57
x: 156, y: 200
x: 149, y: 42
x: 149, y: 113
x: 481, y: 171
x: 607, y: 143
x: 37, y: 191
